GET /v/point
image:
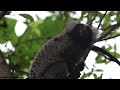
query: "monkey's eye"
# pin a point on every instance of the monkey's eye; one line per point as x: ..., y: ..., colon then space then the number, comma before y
x: 88, y: 28
x: 80, y: 26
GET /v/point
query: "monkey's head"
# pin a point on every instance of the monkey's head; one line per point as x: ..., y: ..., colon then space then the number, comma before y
x: 85, y: 31
x: 81, y: 33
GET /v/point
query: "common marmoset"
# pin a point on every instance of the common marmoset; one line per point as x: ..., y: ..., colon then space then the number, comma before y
x: 63, y: 56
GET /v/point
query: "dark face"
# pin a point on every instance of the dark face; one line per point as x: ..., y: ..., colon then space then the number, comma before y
x: 82, y: 34
x: 85, y: 31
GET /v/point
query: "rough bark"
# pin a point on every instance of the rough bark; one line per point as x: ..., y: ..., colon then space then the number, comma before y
x: 5, y: 71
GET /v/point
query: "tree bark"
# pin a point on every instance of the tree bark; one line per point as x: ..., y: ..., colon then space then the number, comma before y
x: 5, y: 71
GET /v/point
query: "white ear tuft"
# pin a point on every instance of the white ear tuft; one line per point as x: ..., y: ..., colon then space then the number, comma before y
x: 95, y: 33
x: 70, y: 25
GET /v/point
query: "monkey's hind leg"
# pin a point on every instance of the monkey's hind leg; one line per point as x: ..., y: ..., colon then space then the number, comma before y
x: 57, y: 70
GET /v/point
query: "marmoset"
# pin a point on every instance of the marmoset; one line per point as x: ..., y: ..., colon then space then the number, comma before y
x: 63, y: 56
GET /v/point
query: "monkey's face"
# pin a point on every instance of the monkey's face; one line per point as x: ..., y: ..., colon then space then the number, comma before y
x: 87, y: 32
x: 82, y: 35
x: 84, y: 31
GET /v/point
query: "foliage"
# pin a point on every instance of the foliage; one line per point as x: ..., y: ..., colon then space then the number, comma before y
x: 38, y: 32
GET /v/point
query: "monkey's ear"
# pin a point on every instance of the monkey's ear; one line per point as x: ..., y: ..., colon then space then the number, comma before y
x: 70, y: 25
x: 95, y: 33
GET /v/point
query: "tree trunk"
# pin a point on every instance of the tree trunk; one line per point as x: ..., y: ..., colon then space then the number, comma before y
x: 5, y: 71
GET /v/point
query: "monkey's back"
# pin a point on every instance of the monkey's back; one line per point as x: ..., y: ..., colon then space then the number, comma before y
x: 49, y: 62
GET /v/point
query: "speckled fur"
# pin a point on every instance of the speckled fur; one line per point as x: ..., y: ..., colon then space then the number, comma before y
x: 51, y: 53
x: 59, y: 55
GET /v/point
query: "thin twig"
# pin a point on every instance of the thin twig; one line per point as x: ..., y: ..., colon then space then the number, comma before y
x: 101, y: 20
x: 108, y: 31
x: 93, y: 18
x: 111, y: 58
x: 110, y: 37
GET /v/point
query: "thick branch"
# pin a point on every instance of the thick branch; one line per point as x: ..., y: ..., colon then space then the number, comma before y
x: 111, y: 58
x: 108, y: 32
x: 2, y: 13
x: 106, y: 57
x: 4, y: 68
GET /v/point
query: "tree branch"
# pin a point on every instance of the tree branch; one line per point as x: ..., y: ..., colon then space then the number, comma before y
x: 4, y: 68
x: 106, y: 57
x: 110, y: 37
x: 101, y: 20
x: 108, y: 32
x: 3, y: 13
x: 93, y: 18
x: 111, y: 58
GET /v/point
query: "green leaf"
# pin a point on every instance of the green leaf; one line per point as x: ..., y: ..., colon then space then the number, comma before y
x: 3, y: 23
x: 11, y: 35
x: 101, y: 61
x: 27, y: 16
x: 50, y: 28
x: 90, y: 15
x: 99, y: 70
x: 2, y: 37
x: 32, y: 32
x: 117, y: 55
x: 109, y: 48
x: 114, y: 33
x: 92, y: 70
x: 99, y: 14
x: 95, y: 76
x: 100, y: 77
x: 8, y: 33
x: 98, y: 59
x: 88, y: 74
x: 84, y: 76
x: 83, y: 13
x: 106, y: 21
x: 118, y: 17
